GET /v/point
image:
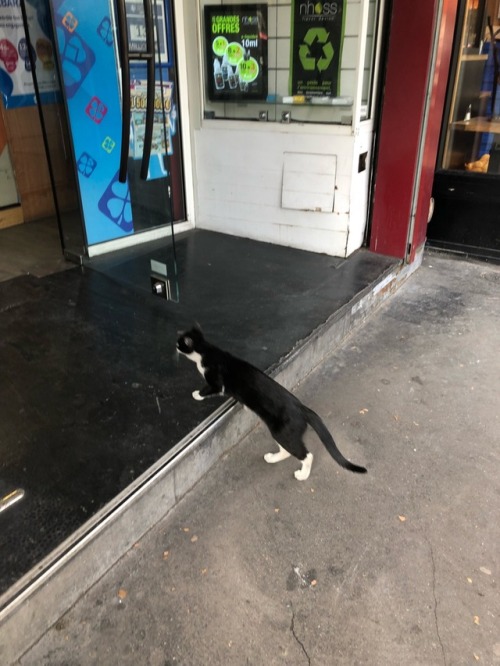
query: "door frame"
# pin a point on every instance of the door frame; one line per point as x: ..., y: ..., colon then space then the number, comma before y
x: 411, y: 114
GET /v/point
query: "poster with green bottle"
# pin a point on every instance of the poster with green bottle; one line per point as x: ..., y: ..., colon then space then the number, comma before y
x: 236, y: 52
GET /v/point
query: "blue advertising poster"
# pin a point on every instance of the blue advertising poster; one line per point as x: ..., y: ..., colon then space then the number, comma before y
x: 90, y: 72
x: 16, y: 80
x: 90, y: 76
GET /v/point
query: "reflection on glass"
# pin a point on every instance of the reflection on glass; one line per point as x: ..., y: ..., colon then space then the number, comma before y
x: 473, y: 134
x: 40, y: 61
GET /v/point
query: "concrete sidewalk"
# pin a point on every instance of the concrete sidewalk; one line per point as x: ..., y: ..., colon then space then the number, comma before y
x: 397, y: 567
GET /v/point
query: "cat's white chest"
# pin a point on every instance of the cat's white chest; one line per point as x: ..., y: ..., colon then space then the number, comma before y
x: 198, y: 360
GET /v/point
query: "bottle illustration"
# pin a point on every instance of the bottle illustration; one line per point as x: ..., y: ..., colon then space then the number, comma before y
x: 225, y: 67
x: 242, y: 83
x: 233, y: 83
x: 219, y: 81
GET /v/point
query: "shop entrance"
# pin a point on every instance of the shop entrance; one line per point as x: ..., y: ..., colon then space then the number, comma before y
x: 106, y: 89
x: 466, y: 191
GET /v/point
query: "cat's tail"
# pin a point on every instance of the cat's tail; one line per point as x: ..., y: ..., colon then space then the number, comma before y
x: 322, y: 431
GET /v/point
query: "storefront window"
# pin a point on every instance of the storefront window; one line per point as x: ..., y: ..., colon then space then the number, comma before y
x: 472, y: 138
x: 289, y: 60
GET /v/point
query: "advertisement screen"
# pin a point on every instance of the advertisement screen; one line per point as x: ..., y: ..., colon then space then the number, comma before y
x: 236, y: 52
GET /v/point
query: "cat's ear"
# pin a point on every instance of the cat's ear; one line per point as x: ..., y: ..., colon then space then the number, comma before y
x: 197, y: 328
x: 188, y: 341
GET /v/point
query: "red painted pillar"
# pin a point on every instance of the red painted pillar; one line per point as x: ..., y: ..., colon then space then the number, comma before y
x: 401, y: 134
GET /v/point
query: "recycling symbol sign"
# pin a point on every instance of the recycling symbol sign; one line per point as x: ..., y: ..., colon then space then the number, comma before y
x: 316, y: 52
x: 317, y: 39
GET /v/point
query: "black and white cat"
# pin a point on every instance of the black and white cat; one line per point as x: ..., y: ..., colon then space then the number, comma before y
x: 285, y: 416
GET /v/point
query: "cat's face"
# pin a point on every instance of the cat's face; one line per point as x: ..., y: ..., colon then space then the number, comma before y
x: 190, y: 342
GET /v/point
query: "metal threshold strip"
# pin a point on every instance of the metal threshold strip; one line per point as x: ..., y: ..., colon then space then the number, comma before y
x: 10, y: 499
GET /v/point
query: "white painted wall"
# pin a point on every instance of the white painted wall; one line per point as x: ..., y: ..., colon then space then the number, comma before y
x: 237, y: 165
x: 240, y: 176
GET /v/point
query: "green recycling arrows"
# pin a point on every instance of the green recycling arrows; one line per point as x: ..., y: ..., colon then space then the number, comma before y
x: 307, y: 60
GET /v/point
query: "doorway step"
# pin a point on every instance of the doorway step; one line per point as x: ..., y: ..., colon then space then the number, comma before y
x: 100, y: 431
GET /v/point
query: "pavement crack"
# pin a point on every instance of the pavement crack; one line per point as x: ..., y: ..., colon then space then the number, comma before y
x: 292, y: 629
x: 436, y: 620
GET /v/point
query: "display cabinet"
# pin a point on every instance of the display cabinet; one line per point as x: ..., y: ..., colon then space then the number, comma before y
x: 466, y: 183
x: 472, y: 139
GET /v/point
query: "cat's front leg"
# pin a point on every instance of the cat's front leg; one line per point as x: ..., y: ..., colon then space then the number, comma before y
x: 205, y: 392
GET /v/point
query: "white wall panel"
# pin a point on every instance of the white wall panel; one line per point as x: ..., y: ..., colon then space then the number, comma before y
x: 240, y: 179
x: 312, y: 239
x: 308, y: 182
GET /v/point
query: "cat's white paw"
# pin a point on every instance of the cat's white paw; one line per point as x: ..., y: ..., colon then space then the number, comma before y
x: 303, y: 473
x: 282, y: 454
x: 197, y: 396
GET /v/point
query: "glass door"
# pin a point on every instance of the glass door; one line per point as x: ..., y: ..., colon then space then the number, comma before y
x: 466, y: 182
x: 117, y: 109
x: 45, y: 87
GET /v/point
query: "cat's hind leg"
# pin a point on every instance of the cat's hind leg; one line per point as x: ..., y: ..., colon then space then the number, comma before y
x: 282, y: 454
x: 303, y: 473
x: 292, y: 439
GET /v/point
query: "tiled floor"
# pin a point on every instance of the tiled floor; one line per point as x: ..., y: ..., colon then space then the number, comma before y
x: 91, y: 391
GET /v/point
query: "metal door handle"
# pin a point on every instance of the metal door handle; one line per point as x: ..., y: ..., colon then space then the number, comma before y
x: 125, y: 57
x: 125, y: 70
x: 150, y: 87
